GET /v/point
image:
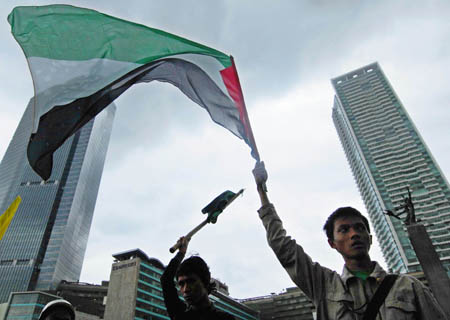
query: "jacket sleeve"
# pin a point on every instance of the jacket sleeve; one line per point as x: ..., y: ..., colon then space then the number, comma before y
x: 173, y: 303
x: 309, y: 276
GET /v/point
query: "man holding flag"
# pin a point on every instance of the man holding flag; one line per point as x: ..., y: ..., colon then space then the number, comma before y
x: 364, y: 290
x: 194, y: 279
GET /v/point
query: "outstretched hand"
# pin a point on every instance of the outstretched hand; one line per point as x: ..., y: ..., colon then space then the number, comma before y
x: 260, y: 173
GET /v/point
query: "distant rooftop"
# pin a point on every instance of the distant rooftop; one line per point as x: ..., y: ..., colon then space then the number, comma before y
x: 137, y: 253
x: 355, y: 74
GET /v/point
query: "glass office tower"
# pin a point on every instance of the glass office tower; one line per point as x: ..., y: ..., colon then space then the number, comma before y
x: 387, y: 154
x: 47, y: 238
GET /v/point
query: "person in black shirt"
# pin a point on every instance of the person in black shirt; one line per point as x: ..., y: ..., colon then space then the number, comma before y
x: 194, y: 280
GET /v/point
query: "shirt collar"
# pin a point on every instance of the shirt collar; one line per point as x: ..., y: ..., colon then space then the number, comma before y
x: 377, y: 273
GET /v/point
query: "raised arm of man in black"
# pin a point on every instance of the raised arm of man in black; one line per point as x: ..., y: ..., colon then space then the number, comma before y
x: 175, y: 306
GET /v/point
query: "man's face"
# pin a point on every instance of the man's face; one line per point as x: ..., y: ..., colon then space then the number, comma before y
x: 192, y: 289
x: 351, y: 238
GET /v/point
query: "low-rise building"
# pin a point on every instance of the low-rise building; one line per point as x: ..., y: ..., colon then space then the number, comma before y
x: 288, y: 305
x: 85, y: 297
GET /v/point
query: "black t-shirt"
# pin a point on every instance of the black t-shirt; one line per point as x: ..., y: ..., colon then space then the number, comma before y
x: 210, y: 313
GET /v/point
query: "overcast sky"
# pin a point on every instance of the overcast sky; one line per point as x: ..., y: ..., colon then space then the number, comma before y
x: 167, y: 159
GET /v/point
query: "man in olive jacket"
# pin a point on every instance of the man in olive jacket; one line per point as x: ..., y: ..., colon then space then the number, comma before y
x: 344, y: 296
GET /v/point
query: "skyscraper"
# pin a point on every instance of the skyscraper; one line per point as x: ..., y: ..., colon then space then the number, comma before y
x: 387, y: 154
x: 47, y: 238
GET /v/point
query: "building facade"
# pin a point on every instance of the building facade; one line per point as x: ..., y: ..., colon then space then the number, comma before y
x: 291, y: 304
x: 135, y: 291
x: 387, y: 155
x: 46, y: 241
x: 85, y: 297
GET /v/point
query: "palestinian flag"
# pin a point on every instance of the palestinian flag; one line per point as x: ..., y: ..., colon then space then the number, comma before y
x: 81, y: 60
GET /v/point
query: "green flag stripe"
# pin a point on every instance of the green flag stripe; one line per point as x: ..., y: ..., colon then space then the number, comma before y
x: 50, y: 32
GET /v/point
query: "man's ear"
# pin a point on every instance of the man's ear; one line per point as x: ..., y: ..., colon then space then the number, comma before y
x: 370, y: 239
x: 331, y: 243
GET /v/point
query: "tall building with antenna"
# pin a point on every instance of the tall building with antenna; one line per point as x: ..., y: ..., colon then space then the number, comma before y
x: 46, y: 241
x: 387, y: 155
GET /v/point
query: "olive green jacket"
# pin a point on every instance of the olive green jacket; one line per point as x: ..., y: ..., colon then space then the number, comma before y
x: 345, y: 296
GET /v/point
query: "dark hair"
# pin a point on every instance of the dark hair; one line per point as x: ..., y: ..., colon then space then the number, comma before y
x: 341, y: 213
x: 198, y: 266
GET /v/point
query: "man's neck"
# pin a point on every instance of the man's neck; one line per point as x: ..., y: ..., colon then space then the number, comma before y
x: 365, y: 265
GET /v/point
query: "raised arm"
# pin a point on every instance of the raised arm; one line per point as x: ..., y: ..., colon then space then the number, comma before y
x: 306, y: 274
x: 175, y: 306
